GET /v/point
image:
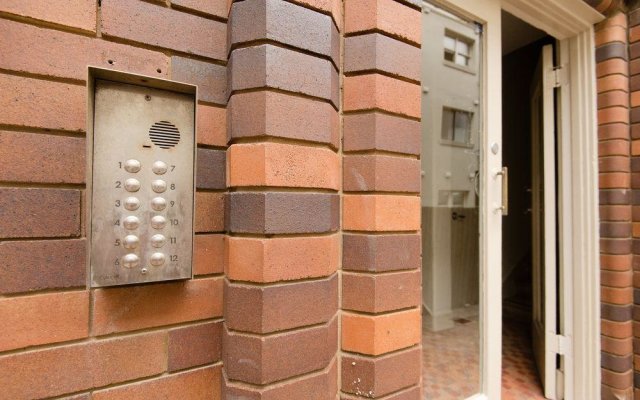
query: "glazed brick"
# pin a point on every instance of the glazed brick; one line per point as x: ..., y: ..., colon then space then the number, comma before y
x: 79, y: 14
x: 211, y: 169
x: 218, y: 8
x: 375, y: 91
x: 211, y: 79
x: 279, y: 68
x: 380, y: 334
x: 43, y: 319
x: 266, y: 309
x: 615, y: 213
x: 281, y: 259
x: 317, y: 386
x: 388, y: 16
x: 211, y: 125
x: 136, y: 307
x: 27, y: 48
x: 378, y: 377
x: 278, y: 212
x: 380, y: 253
x: 208, y: 254
x: 194, y: 345
x: 615, y: 196
x: 615, y: 230
x: 613, y: 66
x: 209, y: 212
x: 611, y: 50
x: 283, y: 165
x: 381, y: 173
x: 379, y: 293
x: 376, y: 131
x: 61, y: 159
x: 287, y: 23
x: 381, y: 213
x: 39, y: 212
x: 199, y: 384
x: 147, y: 23
x: 42, y: 264
x: 265, y: 359
x: 382, y: 53
x: 280, y: 115
x: 36, y: 103
x: 59, y: 370
x: 613, y: 98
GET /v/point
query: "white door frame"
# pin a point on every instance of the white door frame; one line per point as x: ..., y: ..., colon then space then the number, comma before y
x: 571, y: 23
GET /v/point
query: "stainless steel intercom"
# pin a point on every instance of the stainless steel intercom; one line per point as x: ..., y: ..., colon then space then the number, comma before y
x: 141, y: 157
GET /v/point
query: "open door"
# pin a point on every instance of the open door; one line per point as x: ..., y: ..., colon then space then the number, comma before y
x: 545, y: 306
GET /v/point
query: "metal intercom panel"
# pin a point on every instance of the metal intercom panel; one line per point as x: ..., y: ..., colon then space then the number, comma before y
x: 141, y: 160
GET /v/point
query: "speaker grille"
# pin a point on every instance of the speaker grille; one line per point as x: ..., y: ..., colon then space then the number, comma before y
x: 164, y: 134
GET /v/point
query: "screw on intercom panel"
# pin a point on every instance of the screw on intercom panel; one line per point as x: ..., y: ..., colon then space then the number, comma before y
x: 147, y: 97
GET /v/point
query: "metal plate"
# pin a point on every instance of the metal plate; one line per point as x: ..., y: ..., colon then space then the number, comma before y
x: 136, y: 130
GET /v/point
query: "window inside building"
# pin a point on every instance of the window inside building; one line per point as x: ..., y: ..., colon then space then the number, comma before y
x: 457, y: 49
x: 456, y: 126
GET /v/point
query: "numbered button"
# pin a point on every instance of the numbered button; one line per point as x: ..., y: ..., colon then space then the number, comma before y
x: 158, y: 240
x: 132, y: 166
x: 159, y: 186
x: 157, y: 259
x: 130, y: 242
x: 131, y: 222
x: 130, y: 261
x: 131, y: 203
x: 158, y: 222
x: 158, y: 203
x: 159, y: 168
x: 132, y: 185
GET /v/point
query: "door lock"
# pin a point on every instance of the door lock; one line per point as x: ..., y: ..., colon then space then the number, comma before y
x: 504, y: 172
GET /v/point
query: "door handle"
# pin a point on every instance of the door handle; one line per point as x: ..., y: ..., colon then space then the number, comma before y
x: 504, y: 172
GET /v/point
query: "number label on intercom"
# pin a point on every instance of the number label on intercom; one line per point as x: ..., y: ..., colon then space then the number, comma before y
x: 142, y: 184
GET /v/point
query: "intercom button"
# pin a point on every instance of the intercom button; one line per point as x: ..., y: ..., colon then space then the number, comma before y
x: 131, y: 203
x: 130, y: 261
x: 130, y: 241
x: 158, y: 222
x: 157, y: 259
x: 158, y: 240
x: 158, y: 203
x: 132, y: 166
x: 159, y: 168
x: 131, y: 222
x: 132, y: 185
x: 159, y: 186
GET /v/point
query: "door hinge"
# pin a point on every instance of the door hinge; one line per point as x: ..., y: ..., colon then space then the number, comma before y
x: 560, y: 77
x: 562, y: 345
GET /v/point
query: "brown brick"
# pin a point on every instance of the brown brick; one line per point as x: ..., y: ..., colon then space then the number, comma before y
x: 613, y: 148
x: 382, y: 53
x: 147, y: 23
x: 211, y: 171
x: 43, y: 319
x: 265, y: 359
x: 380, y: 334
x: 377, y: 377
x: 42, y: 264
x: 618, y: 313
x: 615, y: 230
x: 614, y: 164
x: 379, y: 293
x: 617, y: 380
x: 39, y: 212
x: 615, y: 213
x: 208, y: 254
x: 27, y: 48
x: 614, y: 196
x: 634, y: 67
x: 218, y: 8
x: 77, y: 14
x: 376, y: 131
x: 60, y: 370
x: 380, y: 92
x: 287, y: 23
x: 618, y: 279
x: 137, y: 307
x: 194, y: 345
x: 266, y: 309
x: 280, y: 68
x: 61, y: 159
x: 211, y: 79
x: 379, y: 253
x: 615, y: 246
x: 381, y: 213
x: 381, y: 173
x: 280, y: 115
x: 212, y: 125
x: 611, y: 50
x: 278, y: 212
x: 388, y: 16
x: 281, y: 259
x: 283, y: 165
x: 36, y: 103
x: 210, y: 212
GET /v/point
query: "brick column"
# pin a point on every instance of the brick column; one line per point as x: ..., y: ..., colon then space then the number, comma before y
x: 281, y: 296
x: 381, y: 292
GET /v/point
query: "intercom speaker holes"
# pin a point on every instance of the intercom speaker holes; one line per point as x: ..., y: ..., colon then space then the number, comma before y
x: 164, y: 134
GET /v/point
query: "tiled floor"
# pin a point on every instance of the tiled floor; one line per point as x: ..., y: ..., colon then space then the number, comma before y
x: 450, y: 363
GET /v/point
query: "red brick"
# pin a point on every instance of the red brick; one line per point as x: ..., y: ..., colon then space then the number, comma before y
x: 615, y: 262
x: 376, y: 131
x: 613, y: 114
x: 39, y: 213
x: 194, y: 345
x: 42, y: 264
x: 218, y: 8
x: 212, y: 125
x: 614, y: 180
x: 379, y: 293
x: 617, y: 380
x: 388, y: 16
x: 634, y: 66
x: 381, y: 173
x: 613, y: 131
x: 208, y: 254
x: 374, y: 91
x: 613, y: 148
x: 619, y: 347
x: 209, y: 212
x: 381, y: 213
x: 41, y: 104
x: 138, y: 307
x: 613, y: 82
x: 613, y: 98
x: 616, y: 295
x: 68, y: 369
x: 283, y: 165
x: 615, y: 213
x: 613, y: 66
x: 617, y: 330
x: 611, y: 34
x: 380, y: 334
x: 618, y: 279
x: 147, y: 23
x: 331, y: 6
x: 211, y: 79
x: 77, y: 14
x: 27, y: 48
x: 614, y: 164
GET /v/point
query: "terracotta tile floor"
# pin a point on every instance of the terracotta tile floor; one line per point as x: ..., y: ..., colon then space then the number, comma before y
x: 452, y: 356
